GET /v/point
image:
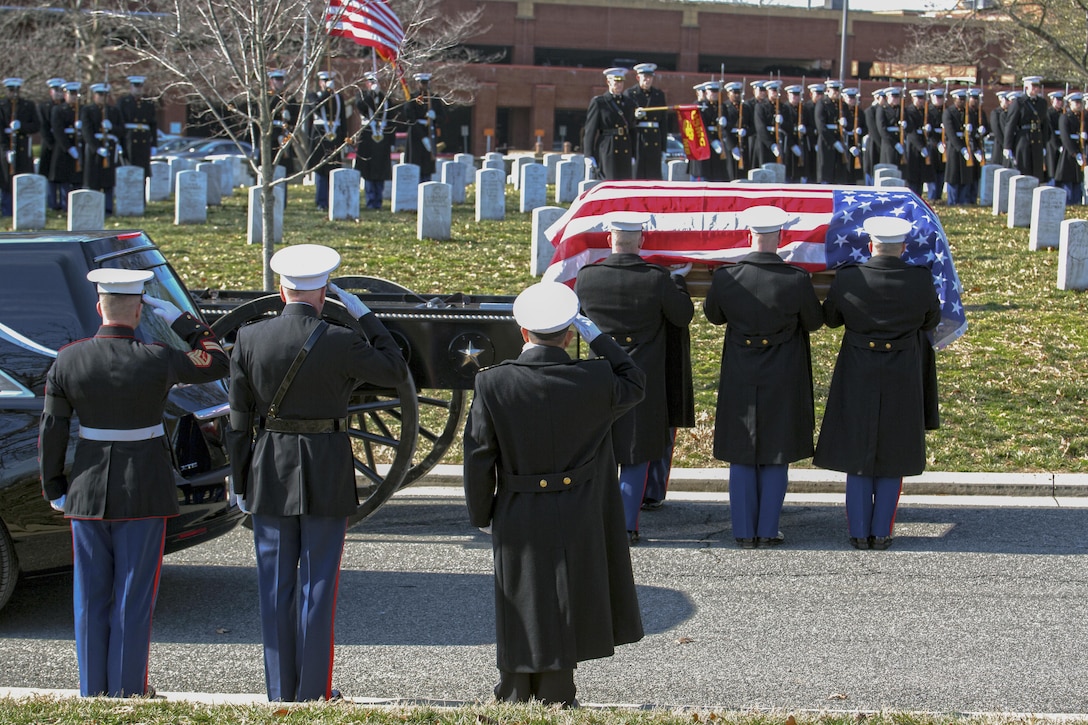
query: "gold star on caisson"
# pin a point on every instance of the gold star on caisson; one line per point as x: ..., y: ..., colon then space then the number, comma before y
x: 471, y: 354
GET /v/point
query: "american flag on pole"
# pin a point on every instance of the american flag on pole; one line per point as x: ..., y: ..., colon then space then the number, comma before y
x: 700, y: 222
x: 367, y: 22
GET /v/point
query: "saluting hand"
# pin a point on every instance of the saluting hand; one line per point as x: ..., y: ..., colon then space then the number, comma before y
x: 163, y: 308
x: 354, y: 305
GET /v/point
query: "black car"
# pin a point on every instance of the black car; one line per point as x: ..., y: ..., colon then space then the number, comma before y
x: 46, y: 302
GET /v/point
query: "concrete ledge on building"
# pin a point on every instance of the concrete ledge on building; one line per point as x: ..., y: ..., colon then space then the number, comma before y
x: 815, y: 480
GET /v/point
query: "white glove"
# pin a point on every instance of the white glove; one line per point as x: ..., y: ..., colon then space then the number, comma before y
x: 839, y: 147
x: 801, y: 128
x: 778, y: 118
x: 1080, y: 160
x: 1044, y: 153
x: 16, y: 125
x: 106, y: 125
x: 774, y: 150
x: 742, y: 132
x: 243, y: 505
x: 1007, y: 153
x: 722, y: 121
x: 978, y: 155
x: 969, y: 128
x: 903, y: 124
x: 163, y: 308
x: 966, y: 156
x: 1084, y: 137
x: 430, y: 114
x: 716, y: 146
x: 354, y: 305
x: 486, y: 529
x: 927, y: 128
x: 73, y: 152
x: 586, y: 328
x: 940, y: 147
x: 842, y: 121
x: 981, y: 130
x: 58, y: 503
x: 854, y: 151
x: 680, y: 270
x: 796, y: 150
x: 103, y: 151
x: 736, y: 154
x: 79, y: 125
x: 154, y: 150
x: 924, y: 152
x: 899, y: 148
x: 592, y: 162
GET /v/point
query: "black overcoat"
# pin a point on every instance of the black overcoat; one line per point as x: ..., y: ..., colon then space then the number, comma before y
x: 883, y: 391
x: 415, y: 116
x: 1066, y: 169
x: 101, y: 145
x: 141, y: 132
x: 564, y: 590
x: 651, y: 132
x: 1027, y: 128
x: 632, y: 300
x: 765, y: 404
x: 373, y: 159
x: 115, y: 381
x: 289, y: 474
x: 18, y: 155
x: 607, y: 136
x: 63, y: 169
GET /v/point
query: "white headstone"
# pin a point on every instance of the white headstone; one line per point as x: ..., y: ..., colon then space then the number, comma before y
x: 492, y: 161
x: 158, y: 186
x: 543, y: 251
x: 344, y: 194
x: 1002, y: 177
x: 515, y: 171
x: 454, y: 175
x: 211, y: 171
x: 579, y: 163
x: 490, y: 194
x: 439, y: 164
x: 128, y: 191
x: 586, y: 185
x: 469, y: 162
x: 1020, y: 188
x: 1047, y: 214
x: 533, y: 186
x: 226, y: 165
x: 177, y: 165
x: 678, y: 170
x: 255, y: 225
x: 567, y: 176
x: 551, y: 161
x: 986, y: 185
x: 878, y: 167
x: 1073, y: 255
x: 779, y: 171
x: 886, y: 173
x: 892, y: 182
x: 760, y: 176
x: 405, y: 187
x: 86, y: 210
x: 435, y: 218
x: 28, y: 202
x: 191, y: 198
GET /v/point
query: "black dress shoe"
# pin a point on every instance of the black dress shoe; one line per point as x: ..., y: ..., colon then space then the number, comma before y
x: 772, y: 540
x: 633, y: 538
x: 880, y: 542
x: 335, y: 695
x: 746, y: 543
x: 652, y: 504
x: 859, y: 543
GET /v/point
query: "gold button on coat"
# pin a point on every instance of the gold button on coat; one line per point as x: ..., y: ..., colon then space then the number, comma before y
x: 872, y: 344
x: 543, y: 483
x: 566, y: 480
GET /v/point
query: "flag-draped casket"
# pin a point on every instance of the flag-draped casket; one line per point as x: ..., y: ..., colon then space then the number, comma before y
x: 700, y: 223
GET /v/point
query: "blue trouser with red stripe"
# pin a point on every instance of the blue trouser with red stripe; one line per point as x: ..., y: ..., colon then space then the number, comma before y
x: 657, y: 477
x: 756, y: 494
x: 632, y: 487
x: 116, y: 581
x: 871, y: 502
x: 298, y: 572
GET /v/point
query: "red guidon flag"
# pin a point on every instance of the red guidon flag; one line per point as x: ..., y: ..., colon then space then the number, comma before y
x: 701, y: 222
x: 693, y: 133
x: 367, y: 22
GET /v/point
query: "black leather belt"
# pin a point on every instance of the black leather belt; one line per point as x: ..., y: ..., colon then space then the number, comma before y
x: 307, y: 425
x: 614, y: 132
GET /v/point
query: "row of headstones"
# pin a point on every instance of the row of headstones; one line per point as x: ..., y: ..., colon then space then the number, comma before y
x: 1042, y: 209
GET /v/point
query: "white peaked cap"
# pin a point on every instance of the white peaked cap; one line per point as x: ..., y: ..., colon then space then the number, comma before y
x: 546, y: 307
x: 887, y: 229
x: 765, y: 219
x: 305, y: 266
x: 112, y: 281
x: 627, y: 221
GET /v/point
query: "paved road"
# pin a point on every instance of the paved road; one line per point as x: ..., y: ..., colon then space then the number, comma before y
x: 976, y: 608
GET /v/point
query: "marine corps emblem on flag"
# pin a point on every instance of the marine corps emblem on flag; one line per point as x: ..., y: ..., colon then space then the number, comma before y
x: 693, y: 133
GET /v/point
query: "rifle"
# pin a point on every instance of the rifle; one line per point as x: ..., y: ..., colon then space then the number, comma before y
x: 777, y: 113
x: 721, y: 135
x: 11, y: 143
x: 430, y: 144
x: 944, y: 146
x: 902, y: 127
x: 842, y: 131
x: 740, y: 124
x: 857, y: 130
x: 77, y: 138
x: 967, y: 138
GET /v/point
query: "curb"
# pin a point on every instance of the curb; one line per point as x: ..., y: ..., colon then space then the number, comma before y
x: 816, y: 480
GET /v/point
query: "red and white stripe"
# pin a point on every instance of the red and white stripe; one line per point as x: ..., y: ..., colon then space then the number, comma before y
x: 367, y: 22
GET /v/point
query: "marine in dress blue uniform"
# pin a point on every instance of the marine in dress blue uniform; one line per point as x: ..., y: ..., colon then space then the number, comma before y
x: 633, y: 300
x: 1027, y: 128
x: 326, y: 124
x: 1069, y: 169
x: 423, y: 115
x: 540, y: 473
x: 764, y: 418
x: 607, y: 139
x: 291, y: 460
x: 45, y: 157
x: 652, y: 128
x: 883, y: 394
x: 141, y: 126
x: 101, y: 124
x: 121, y: 488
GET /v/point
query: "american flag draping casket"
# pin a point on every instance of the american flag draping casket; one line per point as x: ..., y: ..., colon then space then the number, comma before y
x: 700, y: 223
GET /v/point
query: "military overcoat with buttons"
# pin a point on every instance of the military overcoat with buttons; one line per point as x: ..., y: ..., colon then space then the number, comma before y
x: 883, y: 393
x: 607, y: 136
x: 631, y: 300
x: 291, y: 474
x: 651, y: 132
x: 115, y: 381
x: 539, y: 469
x: 765, y: 412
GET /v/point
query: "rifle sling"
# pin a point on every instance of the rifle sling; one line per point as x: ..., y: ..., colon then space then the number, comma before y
x: 274, y: 407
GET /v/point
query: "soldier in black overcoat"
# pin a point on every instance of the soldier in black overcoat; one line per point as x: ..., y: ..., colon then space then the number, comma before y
x: 632, y: 300
x: 423, y: 114
x: 1054, y: 111
x: 101, y: 124
x: 19, y: 119
x: 829, y: 145
x: 918, y: 170
x: 892, y: 148
x: 957, y: 171
x: 935, y: 143
x: 45, y: 156
x: 883, y: 394
x: 652, y: 129
x: 286, y: 114
x: 608, y: 136
x: 66, y: 166
x: 540, y: 473
x: 769, y: 127
x: 797, y: 141
x: 998, y: 117
x: 1027, y: 128
x: 122, y: 485
x: 764, y: 417
x: 725, y: 148
x: 374, y: 141
x: 811, y: 132
x: 141, y: 132
x: 291, y: 459
x: 325, y: 117
x: 1069, y: 168
x: 874, y: 117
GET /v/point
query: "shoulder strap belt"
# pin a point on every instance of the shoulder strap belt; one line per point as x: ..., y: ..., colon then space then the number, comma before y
x: 274, y: 408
